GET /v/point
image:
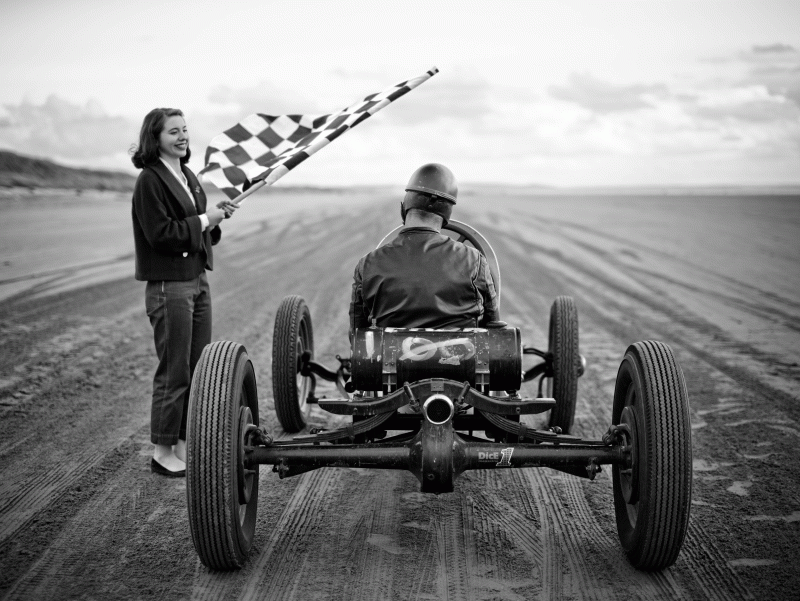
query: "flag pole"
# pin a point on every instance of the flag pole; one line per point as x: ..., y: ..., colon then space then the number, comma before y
x: 239, y: 199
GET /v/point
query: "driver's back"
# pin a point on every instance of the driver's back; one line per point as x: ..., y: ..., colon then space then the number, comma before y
x: 423, y: 279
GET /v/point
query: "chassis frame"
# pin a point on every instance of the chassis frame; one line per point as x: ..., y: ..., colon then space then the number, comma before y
x: 434, y: 424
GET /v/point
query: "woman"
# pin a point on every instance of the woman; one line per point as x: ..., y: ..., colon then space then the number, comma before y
x: 173, y: 232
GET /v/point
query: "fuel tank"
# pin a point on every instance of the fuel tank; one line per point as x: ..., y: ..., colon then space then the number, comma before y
x: 385, y: 358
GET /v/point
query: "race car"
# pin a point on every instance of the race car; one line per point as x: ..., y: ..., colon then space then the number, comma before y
x: 437, y: 403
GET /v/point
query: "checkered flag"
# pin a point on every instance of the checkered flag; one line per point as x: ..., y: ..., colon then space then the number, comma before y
x: 263, y: 148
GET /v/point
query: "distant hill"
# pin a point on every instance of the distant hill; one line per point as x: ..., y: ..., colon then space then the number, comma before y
x: 17, y: 170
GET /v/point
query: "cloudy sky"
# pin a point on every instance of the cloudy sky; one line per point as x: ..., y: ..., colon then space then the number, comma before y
x: 552, y: 92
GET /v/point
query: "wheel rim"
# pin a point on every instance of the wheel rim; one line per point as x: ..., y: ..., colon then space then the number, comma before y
x: 629, y: 478
x: 548, y: 382
x: 244, y: 477
x: 303, y: 382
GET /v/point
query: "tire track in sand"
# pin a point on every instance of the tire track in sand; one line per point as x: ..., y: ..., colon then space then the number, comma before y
x: 110, y: 533
x: 275, y: 573
x: 508, y: 546
x: 22, y: 499
x: 380, y: 548
x: 559, y: 529
x: 455, y: 549
x: 25, y: 495
x: 713, y: 575
x: 94, y: 522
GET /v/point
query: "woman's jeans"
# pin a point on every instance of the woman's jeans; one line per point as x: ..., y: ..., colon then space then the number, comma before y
x: 180, y: 313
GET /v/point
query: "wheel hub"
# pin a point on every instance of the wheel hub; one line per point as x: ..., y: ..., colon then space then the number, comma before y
x: 244, y: 477
x: 629, y: 474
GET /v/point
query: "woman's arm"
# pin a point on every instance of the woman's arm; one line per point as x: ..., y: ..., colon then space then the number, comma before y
x: 164, y: 232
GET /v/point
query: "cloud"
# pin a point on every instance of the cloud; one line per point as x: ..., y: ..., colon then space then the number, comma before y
x: 462, y: 97
x: 749, y: 103
x: 774, y: 49
x: 64, y: 131
x: 775, y: 66
x: 741, y: 122
x: 264, y: 97
x: 603, y: 97
x: 753, y: 109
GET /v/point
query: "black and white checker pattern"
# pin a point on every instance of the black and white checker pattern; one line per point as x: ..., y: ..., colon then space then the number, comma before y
x: 264, y: 147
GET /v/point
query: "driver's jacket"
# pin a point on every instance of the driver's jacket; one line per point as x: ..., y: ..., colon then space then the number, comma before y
x: 422, y: 279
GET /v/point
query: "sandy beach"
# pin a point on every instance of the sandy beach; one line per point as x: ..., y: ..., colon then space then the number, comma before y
x: 717, y: 277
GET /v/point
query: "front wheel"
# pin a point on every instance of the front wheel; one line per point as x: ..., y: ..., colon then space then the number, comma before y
x: 653, y: 492
x: 221, y: 491
x: 563, y: 345
x: 292, y: 337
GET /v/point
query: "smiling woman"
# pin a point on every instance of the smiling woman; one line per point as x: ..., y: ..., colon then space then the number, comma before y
x: 173, y: 234
x: 163, y: 130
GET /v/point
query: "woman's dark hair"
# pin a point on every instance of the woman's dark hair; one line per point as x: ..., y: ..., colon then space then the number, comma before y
x: 146, y: 153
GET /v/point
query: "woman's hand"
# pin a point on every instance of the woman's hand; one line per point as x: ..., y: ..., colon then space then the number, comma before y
x: 215, y: 216
x: 228, y: 207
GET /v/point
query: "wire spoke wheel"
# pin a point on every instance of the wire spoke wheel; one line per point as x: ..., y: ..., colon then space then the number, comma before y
x: 563, y: 345
x: 221, y: 491
x: 652, y: 493
x: 293, y: 337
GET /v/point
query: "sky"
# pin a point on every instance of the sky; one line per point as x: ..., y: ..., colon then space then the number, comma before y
x: 561, y: 93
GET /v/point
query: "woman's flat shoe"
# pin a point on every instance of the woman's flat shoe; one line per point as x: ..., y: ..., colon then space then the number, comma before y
x: 157, y: 468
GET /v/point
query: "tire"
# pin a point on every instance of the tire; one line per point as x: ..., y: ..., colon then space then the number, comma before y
x: 222, y: 496
x: 563, y: 344
x: 292, y: 336
x: 653, y: 497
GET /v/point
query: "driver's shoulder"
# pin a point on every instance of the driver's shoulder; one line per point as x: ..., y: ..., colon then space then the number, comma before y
x: 460, y: 248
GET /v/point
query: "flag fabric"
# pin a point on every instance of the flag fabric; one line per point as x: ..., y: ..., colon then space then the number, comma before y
x: 266, y: 147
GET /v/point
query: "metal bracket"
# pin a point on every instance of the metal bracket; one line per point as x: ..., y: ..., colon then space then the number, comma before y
x: 412, y: 400
x: 593, y: 468
x: 619, y: 434
x: 256, y: 436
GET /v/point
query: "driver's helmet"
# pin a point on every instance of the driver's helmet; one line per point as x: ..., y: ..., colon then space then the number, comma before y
x: 436, y: 191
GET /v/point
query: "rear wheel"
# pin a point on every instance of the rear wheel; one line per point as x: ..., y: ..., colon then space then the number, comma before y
x: 292, y: 337
x: 563, y: 344
x: 222, y: 494
x: 653, y: 493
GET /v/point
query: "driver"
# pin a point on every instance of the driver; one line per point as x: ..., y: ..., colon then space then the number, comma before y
x: 423, y: 278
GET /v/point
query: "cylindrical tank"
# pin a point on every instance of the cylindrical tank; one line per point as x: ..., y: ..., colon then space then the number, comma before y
x: 385, y: 358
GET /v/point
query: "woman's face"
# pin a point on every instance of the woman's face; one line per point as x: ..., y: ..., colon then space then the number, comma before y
x: 173, y: 141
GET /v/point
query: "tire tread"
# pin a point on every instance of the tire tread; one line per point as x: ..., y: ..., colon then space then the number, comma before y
x: 212, y: 411
x: 664, y: 508
x: 291, y: 312
x: 566, y: 359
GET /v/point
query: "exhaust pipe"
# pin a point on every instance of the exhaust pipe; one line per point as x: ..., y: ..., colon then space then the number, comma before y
x: 438, y: 409
x: 431, y: 453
